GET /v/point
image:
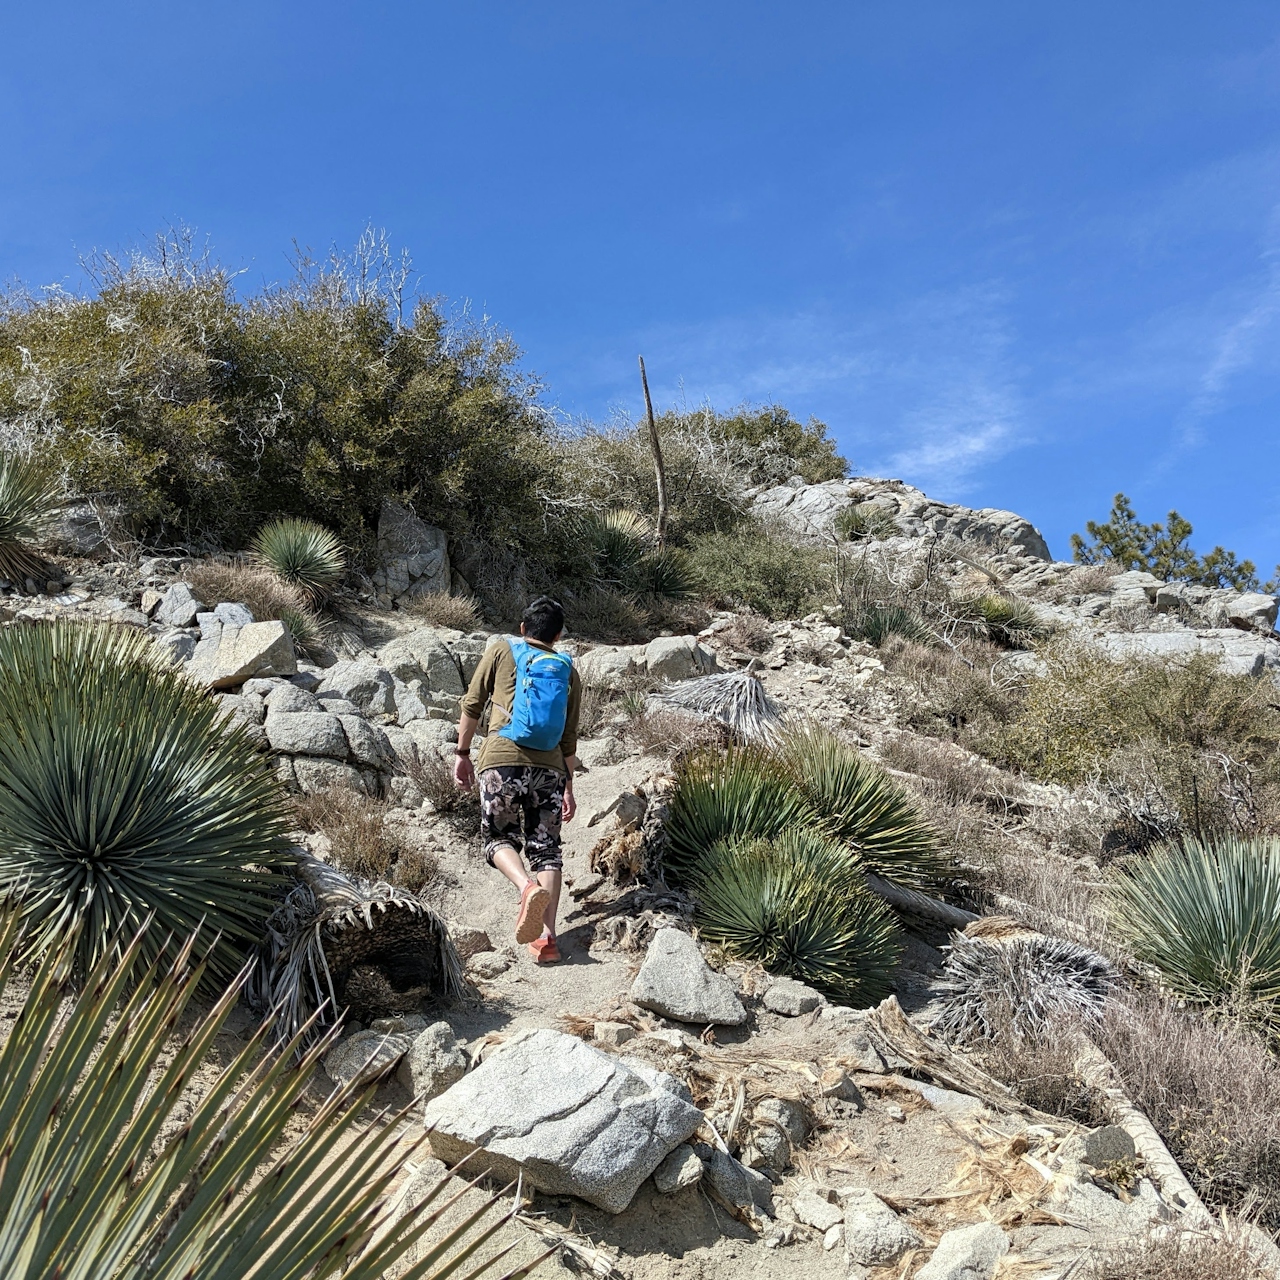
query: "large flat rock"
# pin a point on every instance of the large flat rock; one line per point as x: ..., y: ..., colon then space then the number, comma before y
x: 572, y: 1119
x: 677, y: 982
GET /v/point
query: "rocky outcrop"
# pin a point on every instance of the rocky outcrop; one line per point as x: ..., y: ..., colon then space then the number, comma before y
x: 413, y: 556
x: 668, y: 658
x: 227, y: 655
x: 809, y: 511
x: 572, y: 1119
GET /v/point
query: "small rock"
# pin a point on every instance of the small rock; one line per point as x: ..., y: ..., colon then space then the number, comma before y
x: 772, y: 1145
x: 404, y: 793
x: 895, y: 1113
x: 405, y: 1023
x: 677, y: 982
x: 789, y: 998
x: 614, y: 1033
x: 947, y: 1101
x: 816, y: 1212
x: 365, y: 1056
x: 967, y: 1253
x: 873, y: 1233
x: 833, y: 1238
x: 178, y: 607
x: 284, y: 697
x: 788, y: 1116
x: 1253, y: 612
x: 487, y: 965
x: 679, y: 1170
x: 1106, y: 1145
x: 732, y: 1182
x: 585, y: 886
x: 150, y: 601
x: 834, y: 1082
x: 436, y: 1060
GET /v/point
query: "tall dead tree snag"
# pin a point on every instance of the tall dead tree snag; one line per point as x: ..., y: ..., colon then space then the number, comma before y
x: 656, y: 445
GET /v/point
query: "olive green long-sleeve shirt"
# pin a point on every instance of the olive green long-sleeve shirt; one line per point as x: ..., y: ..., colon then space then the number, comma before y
x: 495, y: 683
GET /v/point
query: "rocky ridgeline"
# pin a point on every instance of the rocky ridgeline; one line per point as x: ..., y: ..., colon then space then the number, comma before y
x: 1129, y: 615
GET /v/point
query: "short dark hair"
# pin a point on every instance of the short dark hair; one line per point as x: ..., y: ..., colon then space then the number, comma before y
x: 543, y: 619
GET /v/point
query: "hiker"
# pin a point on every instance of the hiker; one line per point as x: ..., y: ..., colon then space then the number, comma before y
x: 526, y: 764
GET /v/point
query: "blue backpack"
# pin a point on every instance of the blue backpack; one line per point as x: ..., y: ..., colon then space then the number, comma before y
x: 541, y: 703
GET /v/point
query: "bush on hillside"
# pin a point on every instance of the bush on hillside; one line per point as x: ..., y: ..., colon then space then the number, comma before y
x: 712, y: 460
x: 751, y: 569
x: 302, y: 553
x: 196, y: 414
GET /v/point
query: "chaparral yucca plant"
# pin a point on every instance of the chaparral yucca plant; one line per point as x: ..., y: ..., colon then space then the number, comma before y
x: 302, y: 552
x: 91, y: 1187
x: 811, y: 779
x: 798, y: 906
x: 1207, y: 915
x: 122, y: 795
x: 854, y: 800
x: 1006, y: 621
x: 29, y: 499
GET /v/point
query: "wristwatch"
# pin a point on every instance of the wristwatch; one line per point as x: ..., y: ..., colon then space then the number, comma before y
x: 462, y: 751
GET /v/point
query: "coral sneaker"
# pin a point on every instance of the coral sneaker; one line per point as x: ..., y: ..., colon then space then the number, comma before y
x: 534, y: 900
x: 545, y: 951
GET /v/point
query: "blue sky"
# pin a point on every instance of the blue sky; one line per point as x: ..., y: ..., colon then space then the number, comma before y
x: 1019, y: 255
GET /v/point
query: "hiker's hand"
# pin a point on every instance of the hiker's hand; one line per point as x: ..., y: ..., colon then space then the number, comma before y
x: 464, y: 772
x: 570, y: 804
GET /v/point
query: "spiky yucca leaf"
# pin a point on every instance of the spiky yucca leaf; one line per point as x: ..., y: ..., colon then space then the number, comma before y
x: 666, y: 573
x: 122, y: 795
x: 90, y: 1188
x: 856, y: 801
x: 876, y: 624
x: 1007, y: 621
x: 618, y: 541
x: 1207, y: 915
x: 798, y: 906
x: 29, y: 499
x: 745, y: 792
x: 302, y: 552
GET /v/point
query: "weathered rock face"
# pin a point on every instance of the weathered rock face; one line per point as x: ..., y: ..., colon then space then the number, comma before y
x: 413, y: 557
x: 608, y: 665
x: 677, y: 982
x: 574, y: 1120
x: 227, y: 656
x: 809, y: 512
x: 307, y: 733
x: 364, y: 684
x: 1239, y: 652
x: 179, y: 607
x: 678, y: 658
x: 1253, y: 612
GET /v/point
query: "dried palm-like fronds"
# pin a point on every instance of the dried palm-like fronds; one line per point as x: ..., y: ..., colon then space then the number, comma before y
x: 736, y: 699
x: 90, y: 1186
x: 336, y: 944
x: 1029, y: 978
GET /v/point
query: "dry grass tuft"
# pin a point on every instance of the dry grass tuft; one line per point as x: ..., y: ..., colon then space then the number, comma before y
x: 266, y: 596
x: 435, y: 778
x: 440, y: 609
x: 956, y: 777
x: 674, y: 733
x: 1087, y: 580
x: 1212, y: 1091
x: 362, y: 844
x: 747, y: 633
x: 1174, y: 1257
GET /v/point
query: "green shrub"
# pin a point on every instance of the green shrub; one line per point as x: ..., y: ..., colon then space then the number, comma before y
x: 798, y: 906
x: 712, y: 460
x: 196, y: 413
x: 302, y: 553
x: 854, y: 800
x: 1207, y: 915
x: 1085, y: 706
x: 751, y: 569
x: 179, y: 814
x: 876, y: 624
x: 29, y: 499
x: 114, y: 1169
